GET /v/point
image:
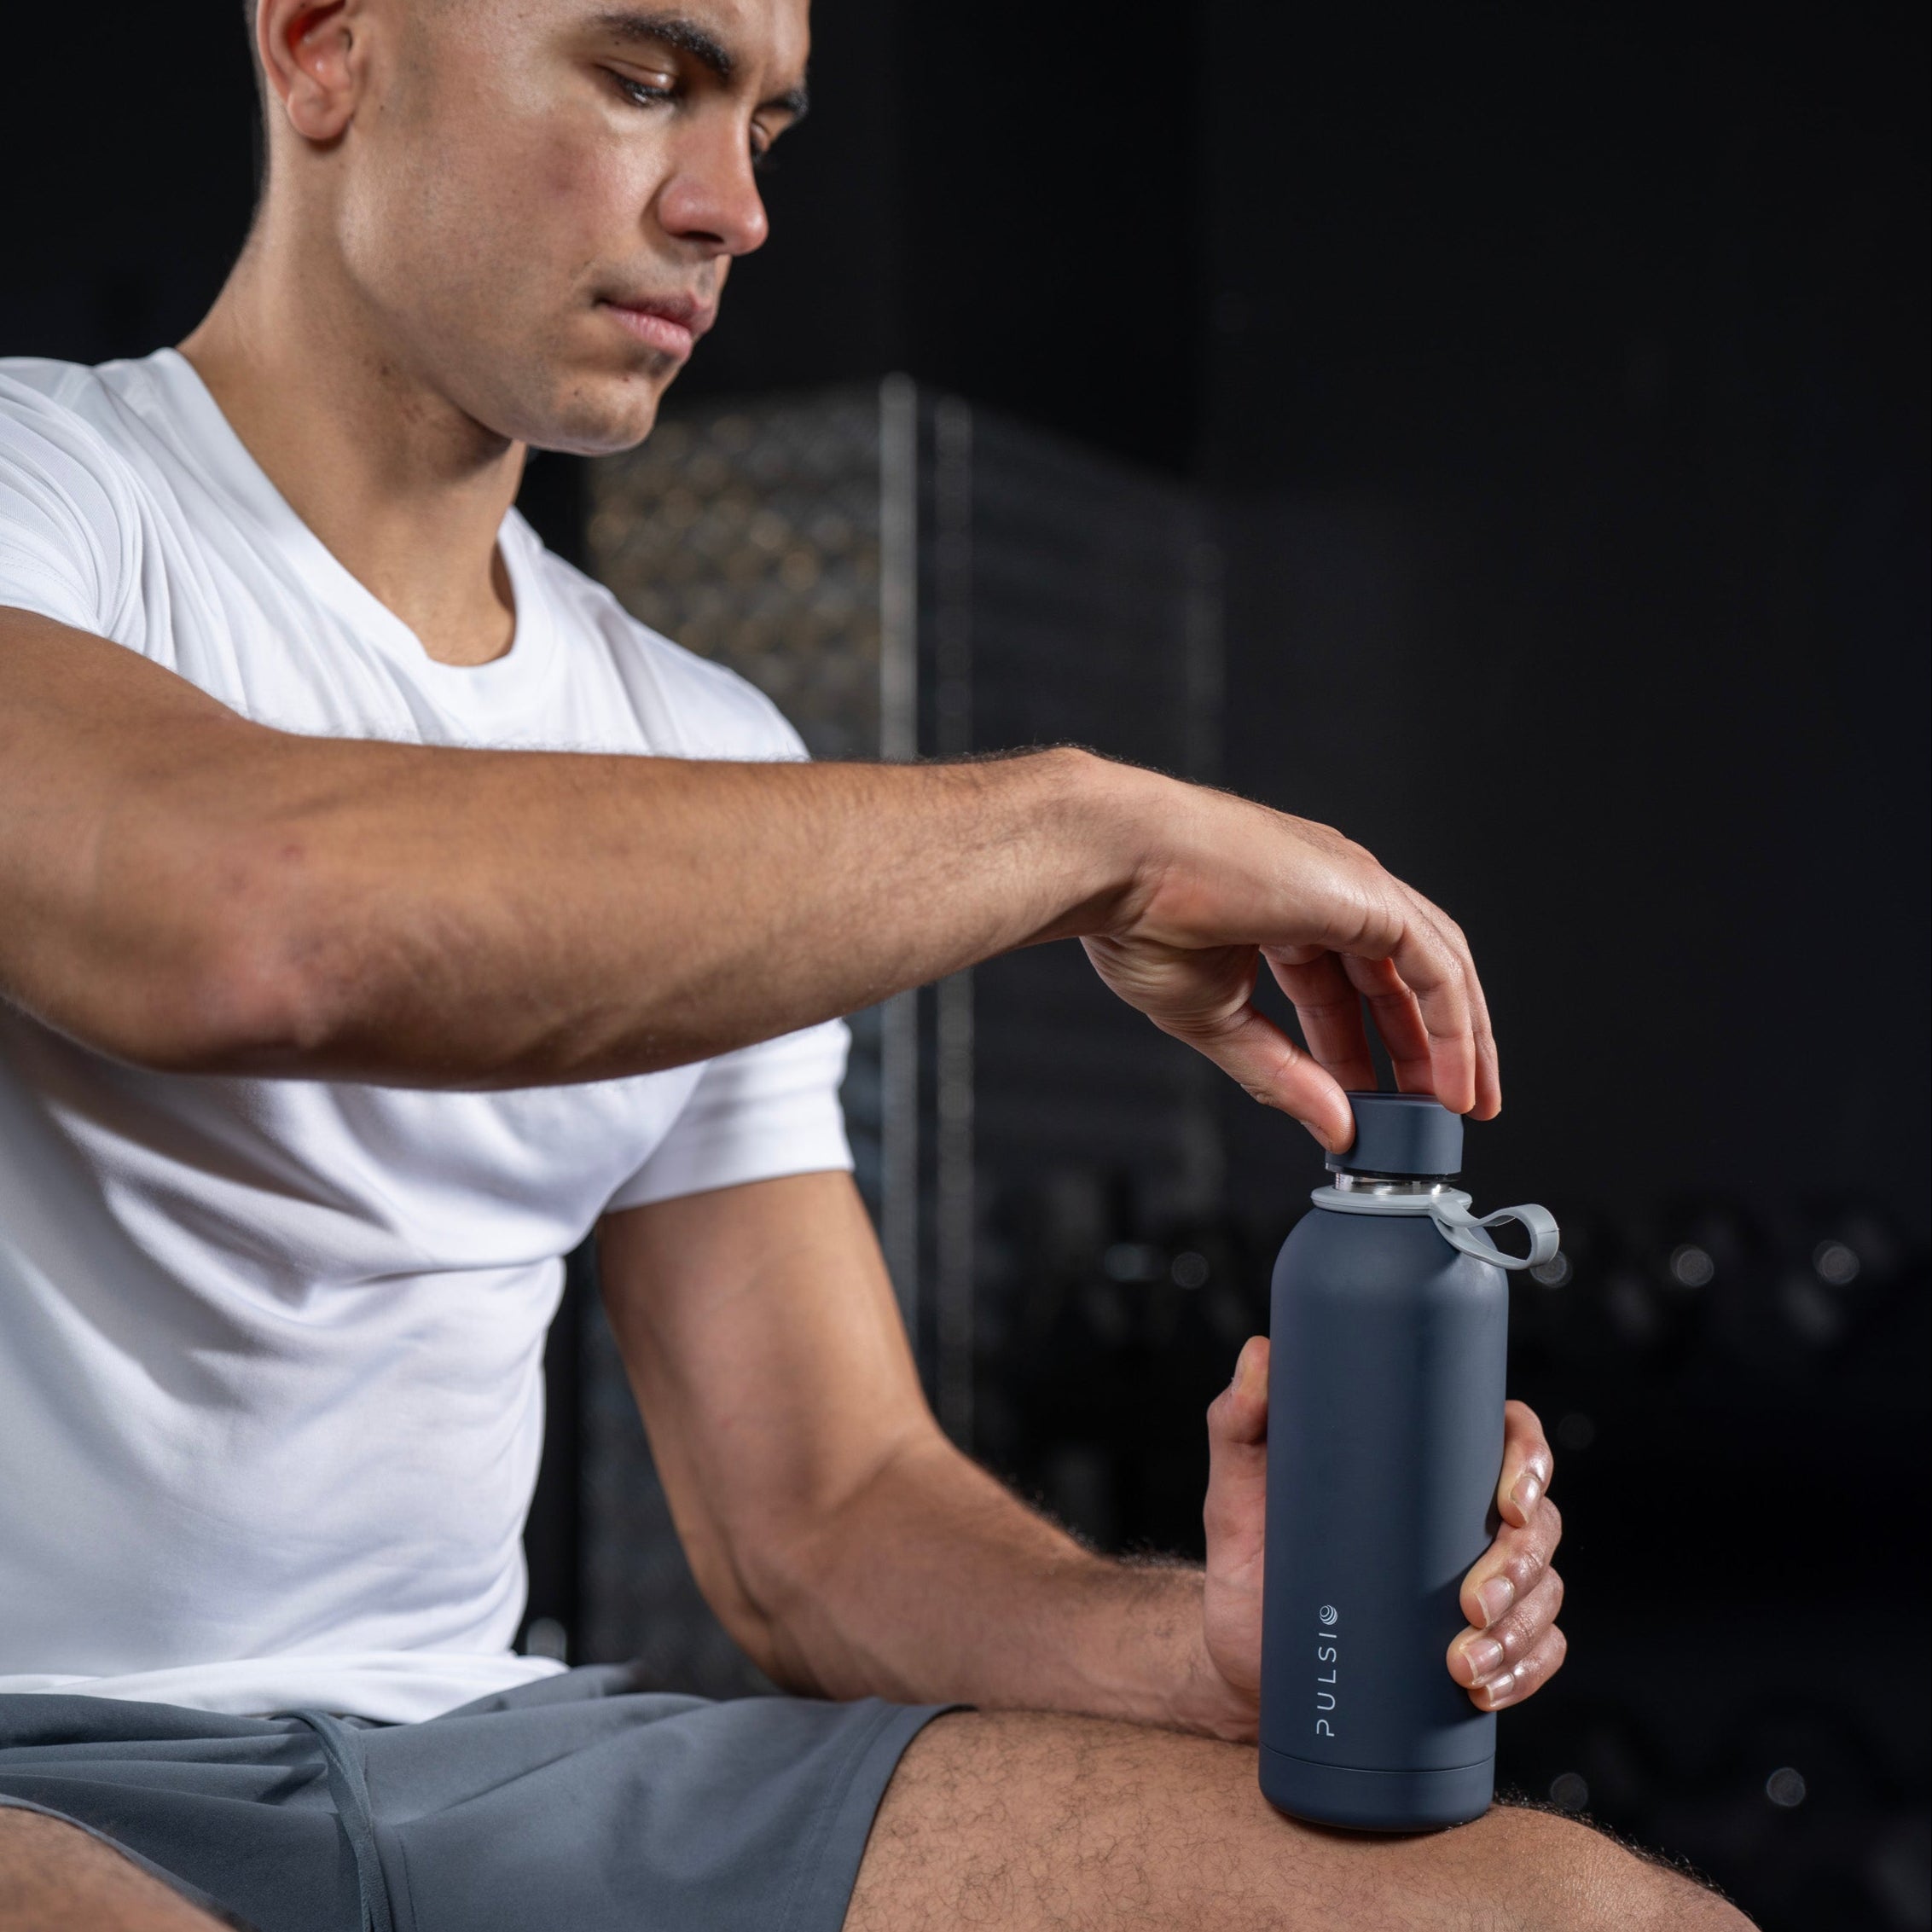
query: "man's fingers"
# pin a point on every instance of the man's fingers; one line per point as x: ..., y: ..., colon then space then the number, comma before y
x: 1202, y: 995
x: 1329, y: 992
x: 1489, y: 1081
x: 1439, y: 974
x: 1337, y: 929
x: 1237, y: 1416
x: 1236, y: 1511
x: 1528, y: 1466
x: 1512, y: 1595
x: 1398, y: 1020
x: 1258, y: 1056
x: 1511, y: 1567
x: 1330, y: 1008
x: 1515, y: 1683
x: 1476, y: 1656
x: 1488, y: 1067
x: 1413, y: 965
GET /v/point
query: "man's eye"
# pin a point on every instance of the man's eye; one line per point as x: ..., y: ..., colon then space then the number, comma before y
x: 643, y: 93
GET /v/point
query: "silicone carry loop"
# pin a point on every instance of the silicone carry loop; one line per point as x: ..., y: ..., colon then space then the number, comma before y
x: 1449, y: 1211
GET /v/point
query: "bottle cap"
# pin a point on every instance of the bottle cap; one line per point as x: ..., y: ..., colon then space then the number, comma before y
x: 1402, y: 1135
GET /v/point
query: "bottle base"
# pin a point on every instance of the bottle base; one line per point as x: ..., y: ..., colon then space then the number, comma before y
x: 1376, y: 1801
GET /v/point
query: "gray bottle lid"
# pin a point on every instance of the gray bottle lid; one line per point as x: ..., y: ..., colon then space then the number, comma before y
x: 1401, y: 1134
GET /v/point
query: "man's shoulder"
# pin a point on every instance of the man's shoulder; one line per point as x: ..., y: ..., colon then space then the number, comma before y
x: 56, y: 402
x: 71, y: 505
x: 72, y: 404
x: 716, y: 712
x: 63, y: 385
x: 63, y: 433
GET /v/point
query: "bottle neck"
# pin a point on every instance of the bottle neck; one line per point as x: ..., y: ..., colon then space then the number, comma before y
x: 1387, y: 1186
x: 1414, y: 1196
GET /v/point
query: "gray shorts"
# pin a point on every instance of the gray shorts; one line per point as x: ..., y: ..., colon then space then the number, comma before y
x: 574, y: 1802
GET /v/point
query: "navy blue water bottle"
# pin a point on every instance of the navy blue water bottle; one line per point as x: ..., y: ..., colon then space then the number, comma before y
x: 1389, y: 1335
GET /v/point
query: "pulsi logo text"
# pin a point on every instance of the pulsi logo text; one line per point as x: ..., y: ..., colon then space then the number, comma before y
x: 1326, y: 1651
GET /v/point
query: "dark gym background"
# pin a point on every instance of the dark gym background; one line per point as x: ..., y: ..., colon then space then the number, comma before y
x: 1558, y: 385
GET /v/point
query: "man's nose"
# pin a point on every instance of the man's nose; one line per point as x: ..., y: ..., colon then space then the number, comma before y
x: 712, y: 195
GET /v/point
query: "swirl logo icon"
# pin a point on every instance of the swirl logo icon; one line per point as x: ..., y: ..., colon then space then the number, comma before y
x: 1328, y: 1613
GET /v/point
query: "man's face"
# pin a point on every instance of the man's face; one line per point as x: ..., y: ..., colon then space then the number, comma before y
x: 540, y: 199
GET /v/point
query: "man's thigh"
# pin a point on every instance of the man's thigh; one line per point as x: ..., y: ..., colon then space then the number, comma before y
x: 1020, y: 1821
x: 55, y: 1877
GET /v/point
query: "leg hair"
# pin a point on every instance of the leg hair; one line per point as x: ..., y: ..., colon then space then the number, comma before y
x: 1031, y: 1823
x: 54, y: 1878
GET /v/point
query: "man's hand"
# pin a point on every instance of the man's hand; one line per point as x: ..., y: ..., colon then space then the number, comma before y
x: 1512, y: 1595
x: 1235, y: 884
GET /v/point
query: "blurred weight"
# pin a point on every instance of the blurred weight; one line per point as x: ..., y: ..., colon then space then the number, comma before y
x: 1705, y: 1257
x: 1576, y: 1310
x: 1823, y: 1274
x: 1841, y: 1263
x: 1604, y: 1763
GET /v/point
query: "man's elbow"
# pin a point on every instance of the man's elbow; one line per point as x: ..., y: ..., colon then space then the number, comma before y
x: 192, y: 978
x: 238, y: 1008
x: 243, y: 1005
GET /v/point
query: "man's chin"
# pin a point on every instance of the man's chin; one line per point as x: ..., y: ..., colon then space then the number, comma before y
x: 594, y: 414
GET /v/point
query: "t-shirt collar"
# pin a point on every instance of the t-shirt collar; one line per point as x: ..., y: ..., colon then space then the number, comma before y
x: 482, y: 693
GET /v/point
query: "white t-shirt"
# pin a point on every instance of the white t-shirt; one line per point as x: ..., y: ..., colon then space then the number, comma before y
x: 270, y: 1350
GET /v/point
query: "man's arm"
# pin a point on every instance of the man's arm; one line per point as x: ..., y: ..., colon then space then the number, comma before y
x: 193, y: 891
x: 843, y: 1541
x: 851, y: 1550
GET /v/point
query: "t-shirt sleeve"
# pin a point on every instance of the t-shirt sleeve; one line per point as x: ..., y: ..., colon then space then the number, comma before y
x: 65, y: 533
x: 756, y: 1114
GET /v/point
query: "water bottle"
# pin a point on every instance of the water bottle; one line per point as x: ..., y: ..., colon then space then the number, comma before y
x: 1389, y: 1334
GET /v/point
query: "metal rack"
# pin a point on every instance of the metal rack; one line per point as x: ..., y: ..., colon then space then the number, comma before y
x: 910, y: 577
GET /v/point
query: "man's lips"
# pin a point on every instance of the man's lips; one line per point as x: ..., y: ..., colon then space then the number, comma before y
x: 670, y: 324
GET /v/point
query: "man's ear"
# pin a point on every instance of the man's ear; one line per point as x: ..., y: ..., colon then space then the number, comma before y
x: 310, y: 52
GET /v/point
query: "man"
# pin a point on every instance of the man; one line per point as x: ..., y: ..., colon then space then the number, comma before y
x: 383, y: 909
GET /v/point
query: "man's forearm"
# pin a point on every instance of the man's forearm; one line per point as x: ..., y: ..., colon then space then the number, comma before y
x: 584, y: 918
x: 223, y: 896
x: 936, y: 1583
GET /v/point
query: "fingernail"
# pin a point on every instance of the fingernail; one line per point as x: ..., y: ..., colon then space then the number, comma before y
x: 1485, y: 1656
x: 1496, y: 1689
x: 1528, y: 1487
x: 1495, y: 1597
